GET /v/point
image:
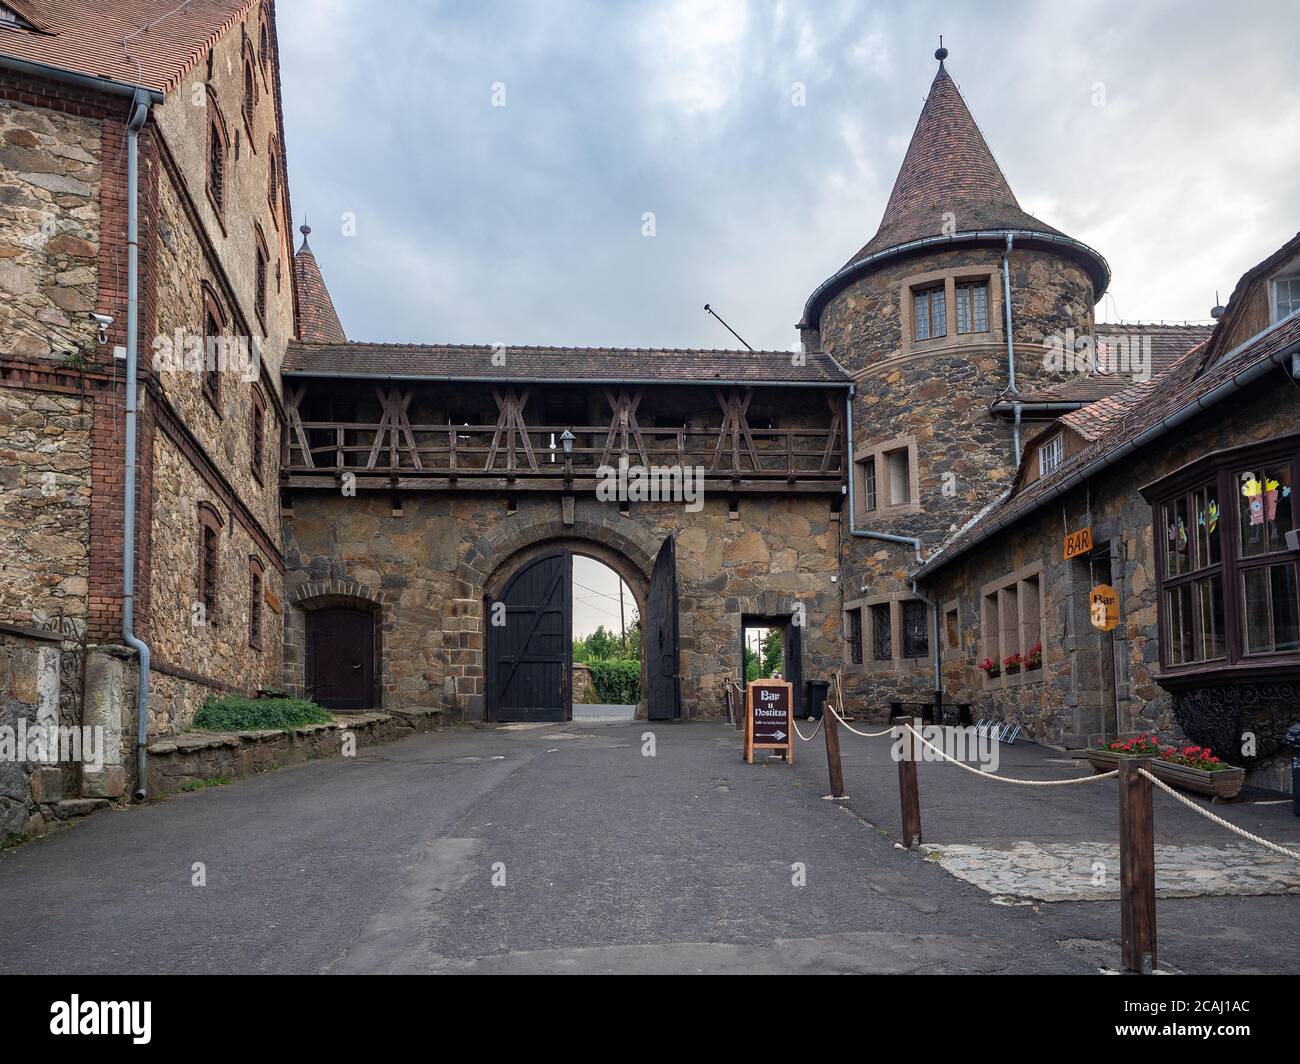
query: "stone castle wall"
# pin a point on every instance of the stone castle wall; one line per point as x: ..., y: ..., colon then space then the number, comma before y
x: 49, y: 230
x: 935, y: 395
x: 429, y: 569
x: 44, y: 508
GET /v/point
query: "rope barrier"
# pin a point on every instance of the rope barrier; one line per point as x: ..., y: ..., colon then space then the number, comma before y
x: 808, y: 738
x: 1007, y: 779
x: 865, y: 735
x: 1218, y: 819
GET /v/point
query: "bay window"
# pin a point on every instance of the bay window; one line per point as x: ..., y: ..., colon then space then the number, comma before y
x: 1228, y: 583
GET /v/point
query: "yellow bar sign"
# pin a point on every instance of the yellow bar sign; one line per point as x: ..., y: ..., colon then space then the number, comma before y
x: 1077, y: 543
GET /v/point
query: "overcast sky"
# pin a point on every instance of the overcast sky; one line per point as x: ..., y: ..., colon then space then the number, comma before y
x: 523, y: 224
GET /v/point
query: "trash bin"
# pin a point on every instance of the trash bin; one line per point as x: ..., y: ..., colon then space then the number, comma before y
x: 815, y: 698
x: 1293, y: 740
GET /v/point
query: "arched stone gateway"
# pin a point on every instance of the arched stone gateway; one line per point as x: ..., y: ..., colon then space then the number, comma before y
x: 738, y: 462
x: 528, y: 611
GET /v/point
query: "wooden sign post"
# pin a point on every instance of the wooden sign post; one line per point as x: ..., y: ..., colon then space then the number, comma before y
x: 769, y: 719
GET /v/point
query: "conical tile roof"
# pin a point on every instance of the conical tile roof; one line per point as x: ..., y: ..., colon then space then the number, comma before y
x: 949, y: 176
x: 318, y: 321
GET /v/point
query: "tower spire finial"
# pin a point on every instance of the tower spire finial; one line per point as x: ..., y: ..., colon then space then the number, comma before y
x: 941, y: 53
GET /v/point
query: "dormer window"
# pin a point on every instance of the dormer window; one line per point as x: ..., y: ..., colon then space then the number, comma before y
x: 9, y: 17
x: 1286, y: 295
x: 1050, y: 454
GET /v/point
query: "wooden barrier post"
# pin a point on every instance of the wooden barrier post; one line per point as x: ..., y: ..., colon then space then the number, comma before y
x: 833, y: 766
x: 909, y: 795
x: 1137, y: 869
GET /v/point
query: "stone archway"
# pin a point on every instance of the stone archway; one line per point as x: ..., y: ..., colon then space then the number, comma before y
x: 332, y: 596
x: 590, y: 528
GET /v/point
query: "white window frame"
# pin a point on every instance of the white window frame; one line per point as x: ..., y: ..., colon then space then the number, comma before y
x: 1055, y: 447
x: 1291, y: 279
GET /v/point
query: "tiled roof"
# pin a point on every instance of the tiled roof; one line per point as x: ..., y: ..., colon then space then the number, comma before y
x: 1168, y: 342
x: 86, y: 37
x: 455, y: 362
x: 318, y: 321
x: 1097, y: 420
x: 1122, y: 419
x: 948, y: 168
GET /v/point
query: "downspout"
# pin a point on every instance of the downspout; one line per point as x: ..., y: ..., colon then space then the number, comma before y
x: 1011, y: 340
x: 885, y: 537
x: 139, y: 112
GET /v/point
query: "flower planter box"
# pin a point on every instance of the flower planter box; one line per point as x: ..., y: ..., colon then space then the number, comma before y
x: 1225, y: 783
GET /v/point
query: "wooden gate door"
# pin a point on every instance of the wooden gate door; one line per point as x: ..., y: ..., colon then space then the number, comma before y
x: 341, y: 658
x: 659, y: 642
x: 793, y: 645
x: 529, y: 645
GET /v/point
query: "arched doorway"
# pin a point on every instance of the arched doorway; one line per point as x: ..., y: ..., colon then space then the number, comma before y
x: 528, y: 619
x: 340, y: 659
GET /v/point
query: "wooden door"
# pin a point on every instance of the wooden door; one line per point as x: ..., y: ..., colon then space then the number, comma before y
x: 529, y: 645
x: 341, y: 658
x: 659, y: 638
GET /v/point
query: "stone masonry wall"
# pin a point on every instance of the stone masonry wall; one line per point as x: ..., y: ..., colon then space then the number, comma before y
x: 44, y: 508
x: 218, y: 651
x: 428, y: 571
x: 1060, y: 704
x: 49, y: 230
x: 935, y: 395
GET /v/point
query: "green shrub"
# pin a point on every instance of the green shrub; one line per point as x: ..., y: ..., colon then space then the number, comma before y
x: 617, y: 680
x: 259, y: 714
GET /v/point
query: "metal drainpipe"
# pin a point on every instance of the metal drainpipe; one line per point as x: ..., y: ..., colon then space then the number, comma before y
x: 1011, y: 341
x: 885, y: 537
x: 139, y: 112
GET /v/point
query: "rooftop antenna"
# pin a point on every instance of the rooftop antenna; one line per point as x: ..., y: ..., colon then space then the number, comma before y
x: 726, y: 326
x: 1219, y: 309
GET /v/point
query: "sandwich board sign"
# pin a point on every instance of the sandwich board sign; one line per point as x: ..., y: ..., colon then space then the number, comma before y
x: 769, y: 719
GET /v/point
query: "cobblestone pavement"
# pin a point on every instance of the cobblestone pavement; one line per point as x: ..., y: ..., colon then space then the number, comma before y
x: 1090, y: 871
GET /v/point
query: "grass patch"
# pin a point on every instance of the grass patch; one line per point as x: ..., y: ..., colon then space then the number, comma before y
x: 201, y: 785
x: 259, y: 714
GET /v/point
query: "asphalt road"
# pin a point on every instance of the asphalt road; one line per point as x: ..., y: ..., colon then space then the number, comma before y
x: 551, y: 849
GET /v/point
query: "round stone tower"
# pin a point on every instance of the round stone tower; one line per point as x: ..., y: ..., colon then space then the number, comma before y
x: 919, y: 317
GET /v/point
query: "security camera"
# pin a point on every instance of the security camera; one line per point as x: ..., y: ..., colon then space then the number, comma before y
x: 103, y: 321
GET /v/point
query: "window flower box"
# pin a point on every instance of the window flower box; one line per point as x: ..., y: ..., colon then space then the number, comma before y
x: 1191, y: 768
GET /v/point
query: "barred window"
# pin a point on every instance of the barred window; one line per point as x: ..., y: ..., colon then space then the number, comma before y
x: 255, y: 603
x: 209, y: 574
x: 882, y: 633
x: 217, y: 166
x: 916, y: 629
x: 855, y: 636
